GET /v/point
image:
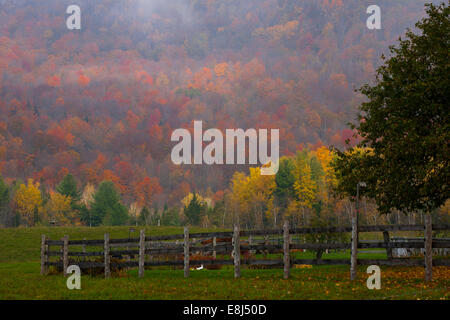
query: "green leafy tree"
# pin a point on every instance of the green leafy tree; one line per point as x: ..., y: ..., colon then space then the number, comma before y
x: 216, y: 214
x: 36, y: 216
x: 15, y: 187
x: 170, y: 217
x: 406, y: 121
x: 144, y: 216
x: 106, y: 208
x: 285, y: 180
x: 155, y: 218
x: 68, y: 187
x: 352, y: 167
x: 85, y: 215
x: 194, y: 211
x: 4, y: 201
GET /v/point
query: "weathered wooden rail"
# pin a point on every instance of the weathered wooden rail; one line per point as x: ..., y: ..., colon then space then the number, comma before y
x: 180, y: 253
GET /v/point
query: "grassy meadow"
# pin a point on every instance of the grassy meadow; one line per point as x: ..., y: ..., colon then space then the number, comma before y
x: 20, y: 275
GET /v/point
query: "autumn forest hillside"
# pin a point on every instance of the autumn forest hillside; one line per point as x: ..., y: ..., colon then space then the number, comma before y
x: 101, y: 103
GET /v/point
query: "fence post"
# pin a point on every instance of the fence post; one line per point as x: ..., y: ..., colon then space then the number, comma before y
x: 61, y: 252
x: 250, y: 243
x: 354, y: 256
x: 214, y: 247
x: 107, y: 257
x: 44, y: 255
x: 186, y: 252
x: 83, y: 248
x: 428, y: 249
x: 141, y: 253
x: 388, y: 244
x: 65, y: 254
x: 266, y: 243
x: 237, y: 252
x: 47, y: 257
x: 286, y: 256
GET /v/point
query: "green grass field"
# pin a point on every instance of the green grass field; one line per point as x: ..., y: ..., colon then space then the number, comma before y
x: 20, y: 277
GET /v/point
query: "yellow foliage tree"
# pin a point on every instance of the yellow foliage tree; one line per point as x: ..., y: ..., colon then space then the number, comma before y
x: 260, y: 194
x: 253, y: 196
x: 187, y: 199
x: 29, y: 201
x: 305, y: 187
x: 59, y: 210
x: 239, y: 192
x: 325, y: 157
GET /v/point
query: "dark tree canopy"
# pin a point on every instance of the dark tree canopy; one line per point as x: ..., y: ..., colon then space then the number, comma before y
x: 405, y: 123
x: 4, y: 193
x: 170, y: 217
x: 4, y: 200
x: 68, y: 187
x: 285, y: 180
x: 143, y: 217
x: 106, y: 208
x: 194, y: 211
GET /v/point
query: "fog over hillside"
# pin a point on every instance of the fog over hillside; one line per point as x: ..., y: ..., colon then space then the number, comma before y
x: 102, y: 102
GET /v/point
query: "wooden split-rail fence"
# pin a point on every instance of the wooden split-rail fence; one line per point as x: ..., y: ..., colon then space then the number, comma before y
x: 246, y: 241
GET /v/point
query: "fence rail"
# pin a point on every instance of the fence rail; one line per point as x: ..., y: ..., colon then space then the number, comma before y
x: 246, y: 233
x: 237, y: 243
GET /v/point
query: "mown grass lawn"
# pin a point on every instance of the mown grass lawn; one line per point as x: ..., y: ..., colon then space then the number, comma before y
x: 23, y: 281
x: 20, y: 278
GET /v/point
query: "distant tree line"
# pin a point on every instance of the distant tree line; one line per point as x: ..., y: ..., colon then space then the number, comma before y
x: 31, y: 204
